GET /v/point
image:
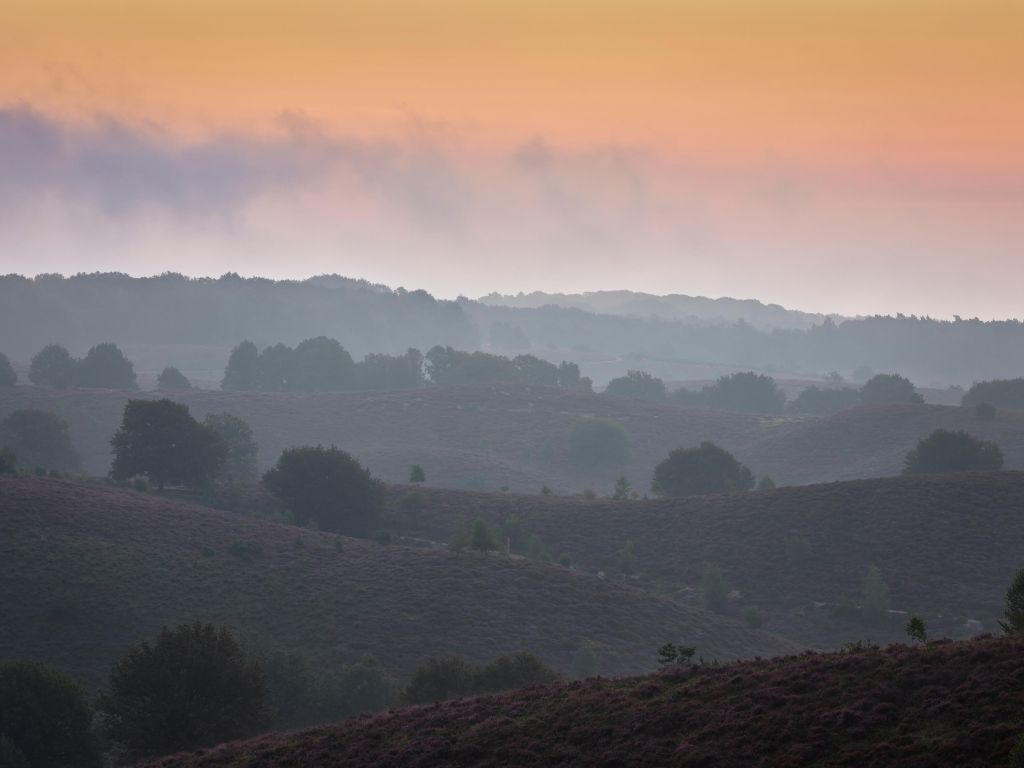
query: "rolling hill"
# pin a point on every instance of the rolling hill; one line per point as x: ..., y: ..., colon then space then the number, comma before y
x: 86, y: 570
x: 940, y: 705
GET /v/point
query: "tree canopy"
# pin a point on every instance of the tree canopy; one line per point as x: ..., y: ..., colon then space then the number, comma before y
x: 639, y: 384
x: 240, y: 463
x: 52, y: 366
x: 946, y: 451
x: 597, y: 443
x: 171, y: 378
x: 701, y: 470
x: 8, y: 378
x: 886, y: 388
x: 105, y: 367
x: 39, y: 439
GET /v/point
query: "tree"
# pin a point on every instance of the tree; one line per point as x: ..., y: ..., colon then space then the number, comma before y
x: 52, y: 366
x: 417, y: 475
x: 1004, y: 393
x: 240, y: 463
x: 672, y: 654
x: 916, y: 630
x: 766, y: 483
x: 714, y: 591
x: 380, y: 372
x: 191, y: 688
x: 985, y: 412
x: 746, y: 392
x: 161, y: 440
x: 1014, y: 613
x: 888, y: 388
x: 597, y: 443
x: 815, y: 401
x: 105, y: 367
x: 328, y: 487
x: 172, y: 378
x: 8, y: 378
x: 482, y: 538
x: 875, y: 601
x: 242, y: 371
x: 39, y: 439
x: 513, y: 671
x: 321, y: 365
x: 8, y: 461
x: 439, y: 680
x: 638, y: 384
x: 569, y: 378
x: 275, y: 369
x: 696, y: 471
x: 622, y: 489
x: 533, y: 370
x: 45, y: 719
x: 945, y: 451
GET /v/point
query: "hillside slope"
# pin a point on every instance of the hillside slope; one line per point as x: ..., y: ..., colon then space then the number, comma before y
x: 947, y: 545
x: 942, y: 705
x: 87, y: 570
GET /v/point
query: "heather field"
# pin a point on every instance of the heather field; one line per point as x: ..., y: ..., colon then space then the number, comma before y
x: 87, y: 570
x: 945, y: 704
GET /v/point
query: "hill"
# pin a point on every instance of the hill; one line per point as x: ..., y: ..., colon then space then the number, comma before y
x: 484, y: 438
x: 87, y: 570
x: 947, y: 545
x: 945, y: 704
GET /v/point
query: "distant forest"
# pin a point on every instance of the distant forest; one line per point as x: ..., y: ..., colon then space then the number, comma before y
x: 172, y: 310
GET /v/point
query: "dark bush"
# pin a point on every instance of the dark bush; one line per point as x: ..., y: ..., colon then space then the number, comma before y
x: 105, y: 367
x: 637, y: 384
x: 192, y: 688
x: 45, y: 719
x: 886, y: 388
x: 1002, y: 393
x: 746, y: 392
x: 598, y: 444
x: 417, y: 475
x: 39, y: 439
x: 328, y: 487
x: 171, y: 378
x: 946, y: 451
x: 8, y: 378
x: 8, y: 461
x: 53, y: 366
x: 482, y: 538
x: 242, y: 372
x: 815, y: 401
x: 1014, y: 613
x: 695, y: 471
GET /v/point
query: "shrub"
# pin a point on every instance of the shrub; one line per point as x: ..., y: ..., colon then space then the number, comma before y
x: 985, y: 412
x: 622, y: 489
x: 8, y: 378
x: 39, y: 439
x: 482, y: 538
x: 671, y: 654
x: 945, y: 451
x: 916, y: 630
x: 172, y: 378
x: 695, y: 471
x: 1003, y: 393
x: 417, y: 475
x: 815, y: 401
x: 746, y: 392
x: 105, y: 367
x: 875, y: 600
x: 191, y: 688
x: 596, y: 443
x: 537, y: 551
x: 240, y: 462
x: 44, y: 719
x: 1014, y: 613
x: 160, y: 439
x: 52, y: 366
x: 242, y: 372
x: 328, y: 487
x: 888, y: 388
x: 8, y: 461
x: 637, y: 384
x: 714, y: 592
x: 509, y: 672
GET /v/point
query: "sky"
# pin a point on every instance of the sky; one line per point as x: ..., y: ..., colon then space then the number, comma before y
x: 850, y: 156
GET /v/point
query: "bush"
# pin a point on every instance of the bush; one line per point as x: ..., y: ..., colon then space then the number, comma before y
x: 171, y: 378
x: 8, y: 378
x: 622, y: 489
x: 596, y: 443
x: 45, y: 719
x: 328, y: 487
x: 916, y: 630
x: 696, y: 471
x: 105, y: 367
x: 886, y: 388
x: 815, y: 401
x: 53, y: 366
x: 240, y: 462
x: 1014, y: 613
x: 638, y: 384
x: 452, y: 677
x: 747, y: 392
x: 161, y: 440
x: 417, y: 475
x: 8, y: 461
x: 192, y: 688
x: 1004, y: 393
x: 482, y: 538
x: 945, y: 451
x: 242, y: 372
x: 672, y: 654
x: 39, y: 439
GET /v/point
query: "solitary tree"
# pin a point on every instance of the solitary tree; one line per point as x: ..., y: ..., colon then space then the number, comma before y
x: 45, y: 719
x: 916, y: 630
x: 242, y: 372
x: 328, y: 487
x: 160, y: 439
x: 745, y: 392
x: 192, y: 688
x: 1014, y: 614
x: 946, y: 451
x: 39, y: 439
x: 701, y: 470
x: 171, y: 378
x: 242, y: 449
x: 52, y: 366
x: 8, y: 378
x: 671, y: 654
x: 638, y: 384
x: 417, y: 475
x: 889, y: 388
x: 321, y: 365
x: 105, y: 367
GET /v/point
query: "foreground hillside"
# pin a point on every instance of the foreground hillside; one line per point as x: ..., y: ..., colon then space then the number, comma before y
x: 485, y: 438
x: 87, y: 570
x: 942, y: 705
x: 947, y: 545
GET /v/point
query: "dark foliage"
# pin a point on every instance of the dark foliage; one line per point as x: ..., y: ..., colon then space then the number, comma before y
x: 45, y: 719
x: 191, y: 688
x: 105, y: 367
x: 638, y: 384
x: 946, y: 451
x: 320, y: 365
x: 985, y: 412
x: 815, y: 401
x: 241, y: 448
x: 453, y: 677
x: 1014, y: 613
x: 887, y: 388
x: 385, y: 372
x: 161, y: 440
x: 52, y: 366
x: 8, y: 378
x: 171, y: 378
x: 701, y: 470
x: 328, y: 487
x: 598, y: 444
x: 417, y: 475
x: 746, y: 392
x: 1003, y: 393
x: 39, y: 439
x: 8, y: 461
x: 482, y: 539
x: 671, y: 654
x: 242, y: 372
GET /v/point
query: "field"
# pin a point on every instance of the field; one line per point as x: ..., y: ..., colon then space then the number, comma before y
x: 947, y: 545
x: 486, y: 438
x: 86, y: 570
x: 942, y: 705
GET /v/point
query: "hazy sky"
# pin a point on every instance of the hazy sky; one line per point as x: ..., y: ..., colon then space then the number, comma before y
x: 841, y: 155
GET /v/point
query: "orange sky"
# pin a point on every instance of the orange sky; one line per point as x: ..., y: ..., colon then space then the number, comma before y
x: 903, y: 98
